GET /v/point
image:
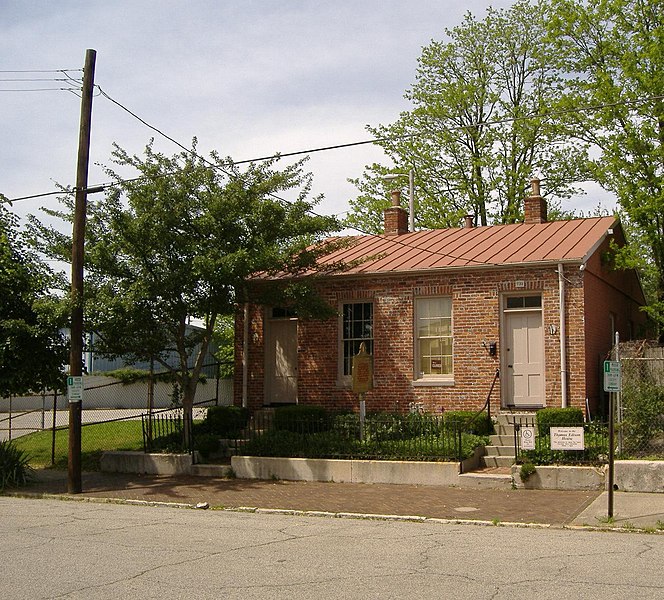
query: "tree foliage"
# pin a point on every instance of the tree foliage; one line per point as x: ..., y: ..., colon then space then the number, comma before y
x: 180, y: 242
x: 33, y: 351
x: 612, y: 55
x: 475, y: 136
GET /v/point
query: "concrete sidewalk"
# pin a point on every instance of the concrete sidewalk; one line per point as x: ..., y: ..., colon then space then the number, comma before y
x: 630, y: 509
x: 542, y: 507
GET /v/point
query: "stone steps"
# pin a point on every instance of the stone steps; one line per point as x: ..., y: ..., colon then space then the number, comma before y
x: 500, y: 451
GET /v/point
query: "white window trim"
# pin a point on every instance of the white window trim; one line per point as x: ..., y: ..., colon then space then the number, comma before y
x: 422, y: 380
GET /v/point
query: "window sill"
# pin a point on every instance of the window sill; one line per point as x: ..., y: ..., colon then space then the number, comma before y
x: 433, y: 383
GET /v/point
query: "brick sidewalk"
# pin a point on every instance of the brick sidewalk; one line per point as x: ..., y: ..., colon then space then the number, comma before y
x: 523, y: 506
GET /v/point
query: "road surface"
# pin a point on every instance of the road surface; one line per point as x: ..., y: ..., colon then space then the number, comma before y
x: 83, y: 550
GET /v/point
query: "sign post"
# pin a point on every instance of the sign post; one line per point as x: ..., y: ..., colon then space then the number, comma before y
x: 612, y: 384
x: 362, y: 373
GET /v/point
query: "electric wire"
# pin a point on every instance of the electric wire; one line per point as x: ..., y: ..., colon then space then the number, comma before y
x: 347, y: 145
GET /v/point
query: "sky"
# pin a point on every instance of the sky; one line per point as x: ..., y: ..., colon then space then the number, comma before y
x: 248, y: 78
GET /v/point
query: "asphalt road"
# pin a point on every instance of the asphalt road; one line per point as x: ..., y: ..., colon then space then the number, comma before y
x: 69, y: 549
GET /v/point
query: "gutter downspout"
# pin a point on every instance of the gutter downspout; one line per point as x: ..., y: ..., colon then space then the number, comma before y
x: 245, y: 356
x: 563, y: 337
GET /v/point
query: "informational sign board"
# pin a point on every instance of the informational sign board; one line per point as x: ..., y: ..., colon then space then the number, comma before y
x: 567, y: 438
x: 362, y: 371
x: 75, y: 389
x: 612, y: 376
x: 527, y: 438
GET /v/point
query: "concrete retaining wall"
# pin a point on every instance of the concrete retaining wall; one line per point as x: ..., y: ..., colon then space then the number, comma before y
x: 639, y: 475
x: 150, y: 464
x: 345, y: 471
x: 561, y: 478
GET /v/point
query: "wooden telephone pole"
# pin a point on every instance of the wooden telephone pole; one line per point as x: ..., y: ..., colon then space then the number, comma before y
x: 77, y: 258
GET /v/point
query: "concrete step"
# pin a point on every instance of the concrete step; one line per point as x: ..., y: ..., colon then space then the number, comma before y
x: 485, y: 480
x: 501, y: 440
x: 206, y: 470
x: 499, y: 450
x: 497, y: 461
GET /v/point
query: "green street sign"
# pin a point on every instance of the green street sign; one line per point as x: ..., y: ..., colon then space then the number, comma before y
x: 612, y: 376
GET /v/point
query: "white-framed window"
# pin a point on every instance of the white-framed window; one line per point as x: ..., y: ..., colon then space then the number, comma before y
x: 356, y: 327
x: 433, y: 337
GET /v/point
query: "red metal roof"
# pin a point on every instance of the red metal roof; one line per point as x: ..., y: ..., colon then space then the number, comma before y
x: 495, y: 245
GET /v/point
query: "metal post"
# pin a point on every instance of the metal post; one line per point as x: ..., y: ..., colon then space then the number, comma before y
x: 55, y: 409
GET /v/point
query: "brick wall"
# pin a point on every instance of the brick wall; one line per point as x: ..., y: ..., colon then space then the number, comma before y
x: 476, y: 297
x: 608, y: 292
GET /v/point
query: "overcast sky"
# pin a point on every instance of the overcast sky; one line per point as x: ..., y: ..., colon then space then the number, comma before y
x: 247, y: 77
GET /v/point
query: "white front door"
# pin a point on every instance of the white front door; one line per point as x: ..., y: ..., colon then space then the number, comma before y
x: 524, y: 359
x: 281, y: 362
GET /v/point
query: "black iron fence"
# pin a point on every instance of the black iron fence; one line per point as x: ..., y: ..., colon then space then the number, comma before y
x: 580, y: 443
x: 412, y: 436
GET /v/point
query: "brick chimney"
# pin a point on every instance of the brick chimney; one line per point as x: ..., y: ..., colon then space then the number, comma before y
x: 468, y: 221
x: 396, y: 218
x: 534, y: 206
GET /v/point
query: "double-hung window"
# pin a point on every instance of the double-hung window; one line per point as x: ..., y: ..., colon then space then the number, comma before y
x: 356, y: 327
x: 433, y: 334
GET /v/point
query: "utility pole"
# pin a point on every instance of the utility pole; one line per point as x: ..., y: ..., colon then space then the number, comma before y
x: 77, y: 258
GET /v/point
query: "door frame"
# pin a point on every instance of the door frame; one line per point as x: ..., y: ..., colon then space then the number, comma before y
x: 506, y: 387
x: 269, y: 368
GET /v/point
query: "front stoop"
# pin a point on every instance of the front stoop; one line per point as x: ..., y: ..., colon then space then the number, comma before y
x: 500, y: 451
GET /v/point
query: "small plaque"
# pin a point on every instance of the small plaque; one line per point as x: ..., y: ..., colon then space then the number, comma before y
x: 567, y: 438
x: 527, y: 438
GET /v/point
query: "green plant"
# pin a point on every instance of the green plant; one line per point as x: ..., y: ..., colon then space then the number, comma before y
x: 226, y: 421
x: 206, y: 444
x: 558, y: 417
x: 527, y: 469
x: 470, y: 421
x: 15, y: 469
x: 660, y: 525
x: 301, y: 418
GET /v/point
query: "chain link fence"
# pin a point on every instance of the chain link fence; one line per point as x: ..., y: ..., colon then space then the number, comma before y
x: 640, y: 405
x: 111, y: 416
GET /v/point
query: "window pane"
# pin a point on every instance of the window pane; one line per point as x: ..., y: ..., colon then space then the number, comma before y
x: 515, y: 302
x: 357, y: 327
x: 533, y: 301
x: 434, y: 335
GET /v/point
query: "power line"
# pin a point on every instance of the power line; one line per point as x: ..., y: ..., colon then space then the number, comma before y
x: 41, y: 70
x: 337, y: 146
x: 60, y: 89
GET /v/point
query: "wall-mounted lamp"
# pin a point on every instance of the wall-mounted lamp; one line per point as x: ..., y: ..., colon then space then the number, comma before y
x: 491, y: 348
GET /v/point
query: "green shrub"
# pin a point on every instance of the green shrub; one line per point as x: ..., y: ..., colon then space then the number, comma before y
x: 301, y: 418
x: 206, y: 444
x: 558, y: 417
x: 527, y: 469
x: 225, y: 421
x: 643, y: 407
x: 14, y: 467
x: 470, y: 421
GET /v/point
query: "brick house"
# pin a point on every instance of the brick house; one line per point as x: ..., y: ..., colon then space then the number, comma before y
x: 442, y: 310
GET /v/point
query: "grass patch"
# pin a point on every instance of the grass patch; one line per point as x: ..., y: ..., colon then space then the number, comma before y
x: 95, y: 439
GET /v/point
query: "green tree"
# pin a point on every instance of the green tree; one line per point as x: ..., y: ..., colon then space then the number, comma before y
x: 33, y: 351
x: 473, y: 137
x: 612, y: 55
x: 181, y: 241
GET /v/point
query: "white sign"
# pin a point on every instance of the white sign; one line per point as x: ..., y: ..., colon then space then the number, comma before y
x: 612, y: 376
x: 527, y: 438
x: 75, y: 389
x: 567, y: 438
